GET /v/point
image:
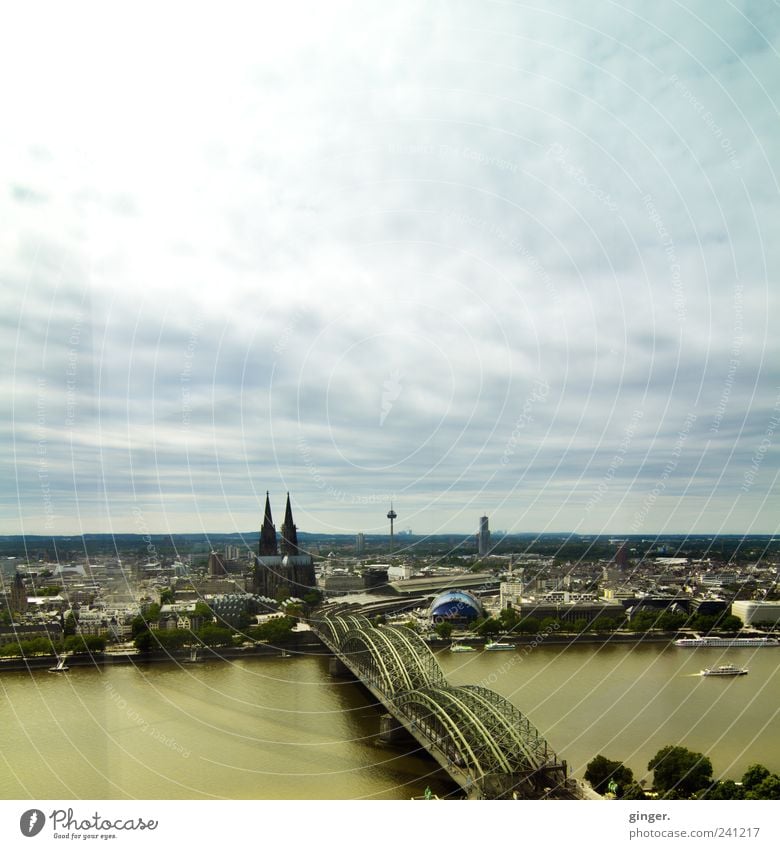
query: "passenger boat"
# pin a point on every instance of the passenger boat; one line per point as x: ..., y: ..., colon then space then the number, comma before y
x: 727, y: 642
x: 458, y: 647
x: 499, y: 647
x: 724, y: 670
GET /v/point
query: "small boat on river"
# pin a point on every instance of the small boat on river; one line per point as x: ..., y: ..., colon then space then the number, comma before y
x: 724, y: 671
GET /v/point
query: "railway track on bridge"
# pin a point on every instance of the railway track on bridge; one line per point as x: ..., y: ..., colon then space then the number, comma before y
x: 485, y: 743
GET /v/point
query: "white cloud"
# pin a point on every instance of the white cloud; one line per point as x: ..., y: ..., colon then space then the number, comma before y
x: 254, y: 219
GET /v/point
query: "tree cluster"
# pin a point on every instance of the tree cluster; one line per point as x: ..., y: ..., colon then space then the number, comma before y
x: 679, y: 773
x: 606, y: 776
x: 74, y: 644
x: 757, y: 783
x: 665, y: 620
x: 277, y: 630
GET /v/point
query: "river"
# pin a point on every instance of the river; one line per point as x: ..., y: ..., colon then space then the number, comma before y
x: 280, y: 728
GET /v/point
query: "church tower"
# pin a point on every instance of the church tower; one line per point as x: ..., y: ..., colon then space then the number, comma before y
x: 289, y: 532
x: 18, y: 598
x: 288, y: 570
x: 268, y: 532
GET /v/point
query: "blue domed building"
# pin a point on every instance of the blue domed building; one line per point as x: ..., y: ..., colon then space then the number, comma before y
x: 456, y: 606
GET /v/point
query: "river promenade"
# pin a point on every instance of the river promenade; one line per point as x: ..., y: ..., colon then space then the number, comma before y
x: 309, y: 643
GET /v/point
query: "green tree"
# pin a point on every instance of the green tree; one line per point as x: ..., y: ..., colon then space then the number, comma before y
x: 167, y: 596
x: 679, y: 772
x: 606, y: 624
x: 213, y: 635
x: 69, y: 626
x: 173, y: 639
x: 488, y: 627
x: 529, y: 625
x: 633, y: 791
x: 313, y: 598
x: 244, y: 621
x: 730, y: 623
x: 444, y: 630
x: 46, y: 592
x: 203, y: 611
x: 705, y: 623
x: 722, y: 790
x: 754, y: 775
x: 138, y: 626
x: 276, y: 630
x: 668, y: 621
x: 769, y: 788
x: 145, y: 641
x: 601, y: 771
x: 80, y: 644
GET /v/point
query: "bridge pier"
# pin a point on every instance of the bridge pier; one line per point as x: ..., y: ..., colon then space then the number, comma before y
x: 485, y: 744
x: 391, y: 730
x: 338, y: 669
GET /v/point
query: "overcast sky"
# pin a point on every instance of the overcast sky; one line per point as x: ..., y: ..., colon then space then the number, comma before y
x: 476, y: 257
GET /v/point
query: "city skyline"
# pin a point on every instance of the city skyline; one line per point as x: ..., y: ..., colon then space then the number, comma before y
x: 502, y: 261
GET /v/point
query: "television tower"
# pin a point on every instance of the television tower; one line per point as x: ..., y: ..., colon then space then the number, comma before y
x: 391, y: 515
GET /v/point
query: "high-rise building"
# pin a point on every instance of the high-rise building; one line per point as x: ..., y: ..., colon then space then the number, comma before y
x: 217, y: 567
x: 621, y: 556
x: 483, y: 537
x: 360, y: 545
x: 293, y: 569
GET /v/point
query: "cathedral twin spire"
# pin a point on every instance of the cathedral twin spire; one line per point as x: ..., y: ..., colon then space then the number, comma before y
x: 268, y: 546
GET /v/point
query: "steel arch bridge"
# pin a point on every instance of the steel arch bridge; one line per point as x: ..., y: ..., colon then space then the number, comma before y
x: 394, y: 660
x: 486, y: 744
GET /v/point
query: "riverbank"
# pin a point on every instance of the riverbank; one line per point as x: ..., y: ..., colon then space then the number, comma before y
x: 558, y: 639
x: 308, y: 643
x: 305, y: 643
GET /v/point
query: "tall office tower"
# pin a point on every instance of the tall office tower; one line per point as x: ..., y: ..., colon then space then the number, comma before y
x: 483, y: 537
x: 621, y: 556
x: 217, y: 565
x: 360, y: 545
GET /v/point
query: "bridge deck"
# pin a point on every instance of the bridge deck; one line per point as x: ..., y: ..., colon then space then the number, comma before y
x: 482, y: 741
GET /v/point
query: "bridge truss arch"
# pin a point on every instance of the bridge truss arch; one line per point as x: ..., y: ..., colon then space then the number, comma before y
x: 481, y: 736
x: 333, y: 628
x: 392, y: 659
x: 487, y: 737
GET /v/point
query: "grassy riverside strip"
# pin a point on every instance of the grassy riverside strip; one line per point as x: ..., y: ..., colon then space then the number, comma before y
x: 307, y: 643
